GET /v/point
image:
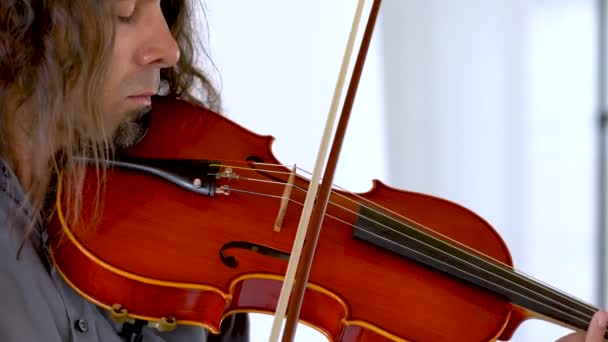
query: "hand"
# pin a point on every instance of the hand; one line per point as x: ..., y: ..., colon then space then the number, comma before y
x: 595, y: 333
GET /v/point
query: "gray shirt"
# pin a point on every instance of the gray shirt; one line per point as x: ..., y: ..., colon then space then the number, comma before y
x: 37, y: 305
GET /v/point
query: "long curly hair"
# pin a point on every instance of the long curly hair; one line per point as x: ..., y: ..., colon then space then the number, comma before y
x: 53, y: 55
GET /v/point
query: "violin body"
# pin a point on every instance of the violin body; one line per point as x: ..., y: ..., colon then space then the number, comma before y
x: 163, y: 253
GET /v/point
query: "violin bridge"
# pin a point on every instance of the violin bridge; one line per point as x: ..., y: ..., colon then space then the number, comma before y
x: 278, y: 223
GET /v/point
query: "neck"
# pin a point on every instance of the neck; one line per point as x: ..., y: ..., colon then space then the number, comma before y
x: 411, y: 242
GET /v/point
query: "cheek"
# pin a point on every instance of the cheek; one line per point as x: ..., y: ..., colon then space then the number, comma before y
x: 110, y: 100
x: 123, y: 77
x: 115, y: 88
x: 121, y: 59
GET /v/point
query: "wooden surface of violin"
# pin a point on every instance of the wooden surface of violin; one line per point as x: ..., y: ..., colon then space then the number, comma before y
x: 191, y: 237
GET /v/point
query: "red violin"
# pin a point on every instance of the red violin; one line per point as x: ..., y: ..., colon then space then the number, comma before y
x: 199, y: 219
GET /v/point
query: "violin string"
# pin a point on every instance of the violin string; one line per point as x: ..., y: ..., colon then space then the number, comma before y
x: 584, y: 318
x: 464, y: 249
x: 249, y: 168
x: 445, y: 237
x: 520, y: 276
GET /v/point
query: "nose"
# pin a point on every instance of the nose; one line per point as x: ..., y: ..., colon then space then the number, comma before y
x: 159, y: 46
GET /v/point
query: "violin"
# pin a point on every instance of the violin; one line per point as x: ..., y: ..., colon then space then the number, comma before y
x: 199, y: 223
x: 198, y: 228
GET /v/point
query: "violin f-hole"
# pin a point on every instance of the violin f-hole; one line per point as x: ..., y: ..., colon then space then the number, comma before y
x: 232, y: 262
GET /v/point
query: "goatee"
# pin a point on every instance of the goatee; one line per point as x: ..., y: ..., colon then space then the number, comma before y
x: 131, y: 131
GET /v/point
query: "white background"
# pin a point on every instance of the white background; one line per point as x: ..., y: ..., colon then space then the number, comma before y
x: 488, y: 103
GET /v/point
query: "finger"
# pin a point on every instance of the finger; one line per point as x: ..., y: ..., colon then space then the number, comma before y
x: 597, y: 328
x: 572, y: 337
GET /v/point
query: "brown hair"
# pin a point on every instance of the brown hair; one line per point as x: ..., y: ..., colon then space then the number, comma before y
x: 182, y: 79
x: 52, y: 58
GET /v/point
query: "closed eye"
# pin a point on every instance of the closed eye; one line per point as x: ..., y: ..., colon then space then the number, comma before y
x: 125, y: 10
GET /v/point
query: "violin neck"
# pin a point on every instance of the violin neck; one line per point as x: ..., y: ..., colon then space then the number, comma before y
x: 473, y: 267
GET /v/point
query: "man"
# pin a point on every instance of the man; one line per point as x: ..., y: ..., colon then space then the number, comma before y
x: 75, y: 75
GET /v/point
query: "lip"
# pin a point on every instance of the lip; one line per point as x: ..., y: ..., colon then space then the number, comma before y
x: 142, y: 100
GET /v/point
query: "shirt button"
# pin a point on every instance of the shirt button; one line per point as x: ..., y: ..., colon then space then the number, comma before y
x: 81, y: 325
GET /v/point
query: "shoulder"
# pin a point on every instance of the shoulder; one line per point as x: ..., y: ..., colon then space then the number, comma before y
x: 16, y: 215
x: 28, y: 291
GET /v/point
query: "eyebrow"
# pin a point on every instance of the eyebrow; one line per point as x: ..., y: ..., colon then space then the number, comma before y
x: 121, y: 1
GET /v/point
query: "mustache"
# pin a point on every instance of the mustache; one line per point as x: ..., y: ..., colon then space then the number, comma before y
x: 144, y: 82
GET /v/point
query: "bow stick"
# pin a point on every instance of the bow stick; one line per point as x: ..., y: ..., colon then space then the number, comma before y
x: 304, y: 256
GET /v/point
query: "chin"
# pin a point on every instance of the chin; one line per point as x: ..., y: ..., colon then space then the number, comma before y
x: 132, y: 130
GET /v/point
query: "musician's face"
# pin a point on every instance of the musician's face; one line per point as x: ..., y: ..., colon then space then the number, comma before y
x: 143, y: 45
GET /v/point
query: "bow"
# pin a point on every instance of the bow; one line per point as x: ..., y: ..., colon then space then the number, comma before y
x: 309, y: 228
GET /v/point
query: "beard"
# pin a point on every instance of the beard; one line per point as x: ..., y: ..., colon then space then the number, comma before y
x: 131, y: 130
